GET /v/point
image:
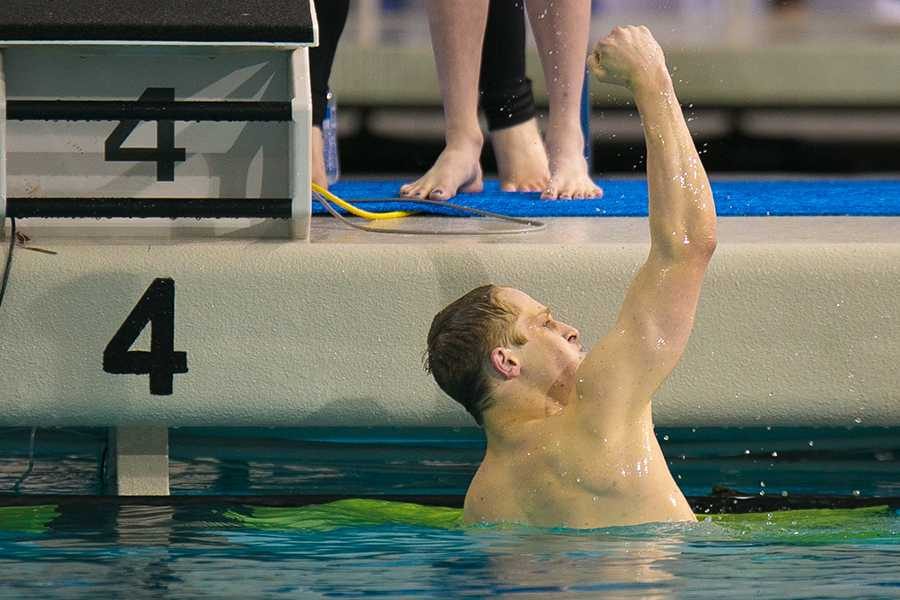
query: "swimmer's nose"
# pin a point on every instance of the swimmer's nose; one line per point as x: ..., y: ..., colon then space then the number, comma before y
x: 574, y: 336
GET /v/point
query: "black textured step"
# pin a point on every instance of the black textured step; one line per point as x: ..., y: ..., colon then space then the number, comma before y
x: 267, y: 21
x: 146, y: 208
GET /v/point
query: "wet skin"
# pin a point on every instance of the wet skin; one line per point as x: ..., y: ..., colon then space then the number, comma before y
x: 555, y: 464
x: 570, y: 434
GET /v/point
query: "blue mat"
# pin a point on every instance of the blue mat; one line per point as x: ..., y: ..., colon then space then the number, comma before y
x: 628, y: 198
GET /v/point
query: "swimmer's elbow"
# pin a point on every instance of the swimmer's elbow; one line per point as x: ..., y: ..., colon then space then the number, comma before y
x: 697, y: 249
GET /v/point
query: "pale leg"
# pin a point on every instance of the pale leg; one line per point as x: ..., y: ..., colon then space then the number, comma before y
x: 317, y: 159
x: 561, y: 29
x: 457, y: 33
x: 521, y: 158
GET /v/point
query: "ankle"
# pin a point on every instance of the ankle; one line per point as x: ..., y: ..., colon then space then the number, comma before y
x: 467, y: 139
x: 565, y: 143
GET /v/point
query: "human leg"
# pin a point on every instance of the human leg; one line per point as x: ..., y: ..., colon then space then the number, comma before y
x: 457, y: 32
x: 332, y: 16
x: 561, y: 29
x: 508, y: 103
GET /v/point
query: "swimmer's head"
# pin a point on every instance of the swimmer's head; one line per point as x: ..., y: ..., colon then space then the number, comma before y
x: 494, y: 336
x: 460, y: 342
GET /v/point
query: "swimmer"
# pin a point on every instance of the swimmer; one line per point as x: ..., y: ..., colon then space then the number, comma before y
x: 570, y: 438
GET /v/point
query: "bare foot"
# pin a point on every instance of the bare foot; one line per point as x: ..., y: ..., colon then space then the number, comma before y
x: 317, y: 159
x: 521, y: 158
x: 457, y: 169
x: 569, y: 177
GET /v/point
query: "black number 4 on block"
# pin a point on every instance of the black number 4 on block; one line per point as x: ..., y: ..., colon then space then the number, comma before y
x: 165, y: 155
x: 162, y: 362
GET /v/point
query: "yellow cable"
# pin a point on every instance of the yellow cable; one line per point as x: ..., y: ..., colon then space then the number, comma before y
x: 353, y: 210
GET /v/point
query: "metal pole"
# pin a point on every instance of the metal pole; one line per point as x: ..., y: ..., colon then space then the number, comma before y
x: 3, y: 191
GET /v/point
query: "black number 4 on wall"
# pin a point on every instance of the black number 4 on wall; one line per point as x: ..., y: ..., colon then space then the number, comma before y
x: 162, y: 362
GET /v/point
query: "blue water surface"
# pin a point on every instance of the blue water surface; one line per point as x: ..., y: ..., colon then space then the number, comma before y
x: 167, y: 552
x: 85, y: 549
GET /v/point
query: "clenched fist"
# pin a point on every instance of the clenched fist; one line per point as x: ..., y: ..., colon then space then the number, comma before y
x: 628, y: 56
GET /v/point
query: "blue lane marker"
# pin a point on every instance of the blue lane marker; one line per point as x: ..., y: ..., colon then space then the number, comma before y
x: 628, y: 198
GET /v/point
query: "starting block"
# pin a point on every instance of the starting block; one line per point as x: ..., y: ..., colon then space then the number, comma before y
x: 156, y: 110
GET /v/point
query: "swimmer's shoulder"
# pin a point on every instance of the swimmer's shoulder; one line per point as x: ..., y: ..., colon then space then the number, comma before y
x: 489, y: 498
x: 506, y: 488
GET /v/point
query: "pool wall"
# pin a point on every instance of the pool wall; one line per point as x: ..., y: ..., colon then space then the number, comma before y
x: 798, y: 324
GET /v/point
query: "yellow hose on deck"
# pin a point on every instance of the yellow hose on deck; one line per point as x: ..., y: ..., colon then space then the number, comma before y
x: 353, y: 210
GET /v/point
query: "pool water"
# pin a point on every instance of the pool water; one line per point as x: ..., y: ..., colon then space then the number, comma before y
x: 193, y: 545
x: 339, y: 551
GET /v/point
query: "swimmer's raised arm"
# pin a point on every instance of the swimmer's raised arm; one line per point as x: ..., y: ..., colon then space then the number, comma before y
x: 619, y: 376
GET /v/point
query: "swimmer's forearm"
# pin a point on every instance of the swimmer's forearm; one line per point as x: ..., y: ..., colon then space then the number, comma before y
x: 682, y: 211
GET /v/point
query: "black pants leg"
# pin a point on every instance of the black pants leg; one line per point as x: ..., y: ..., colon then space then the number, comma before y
x: 332, y: 16
x: 506, y: 95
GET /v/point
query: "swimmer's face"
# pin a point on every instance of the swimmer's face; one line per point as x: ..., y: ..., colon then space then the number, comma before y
x: 553, y: 351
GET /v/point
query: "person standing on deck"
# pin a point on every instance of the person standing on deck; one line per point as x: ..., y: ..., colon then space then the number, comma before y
x: 570, y: 438
x: 503, y: 88
x: 562, y: 31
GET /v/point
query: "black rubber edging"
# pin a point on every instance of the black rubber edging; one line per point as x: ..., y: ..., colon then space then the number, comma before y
x: 699, y: 504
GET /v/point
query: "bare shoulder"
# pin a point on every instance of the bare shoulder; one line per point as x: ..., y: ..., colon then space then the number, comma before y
x: 515, y: 487
x: 489, y: 498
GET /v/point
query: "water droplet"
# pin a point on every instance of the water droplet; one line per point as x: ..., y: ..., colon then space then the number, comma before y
x: 784, y: 493
x: 855, y: 492
x: 811, y: 443
x: 665, y: 438
x: 774, y: 455
x: 857, y: 420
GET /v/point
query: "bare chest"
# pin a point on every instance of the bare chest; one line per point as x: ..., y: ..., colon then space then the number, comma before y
x: 577, y: 483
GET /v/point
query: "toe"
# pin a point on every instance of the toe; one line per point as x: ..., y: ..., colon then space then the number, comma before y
x: 475, y: 187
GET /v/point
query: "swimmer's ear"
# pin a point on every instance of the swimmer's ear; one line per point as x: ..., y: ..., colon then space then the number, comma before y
x: 505, y: 363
